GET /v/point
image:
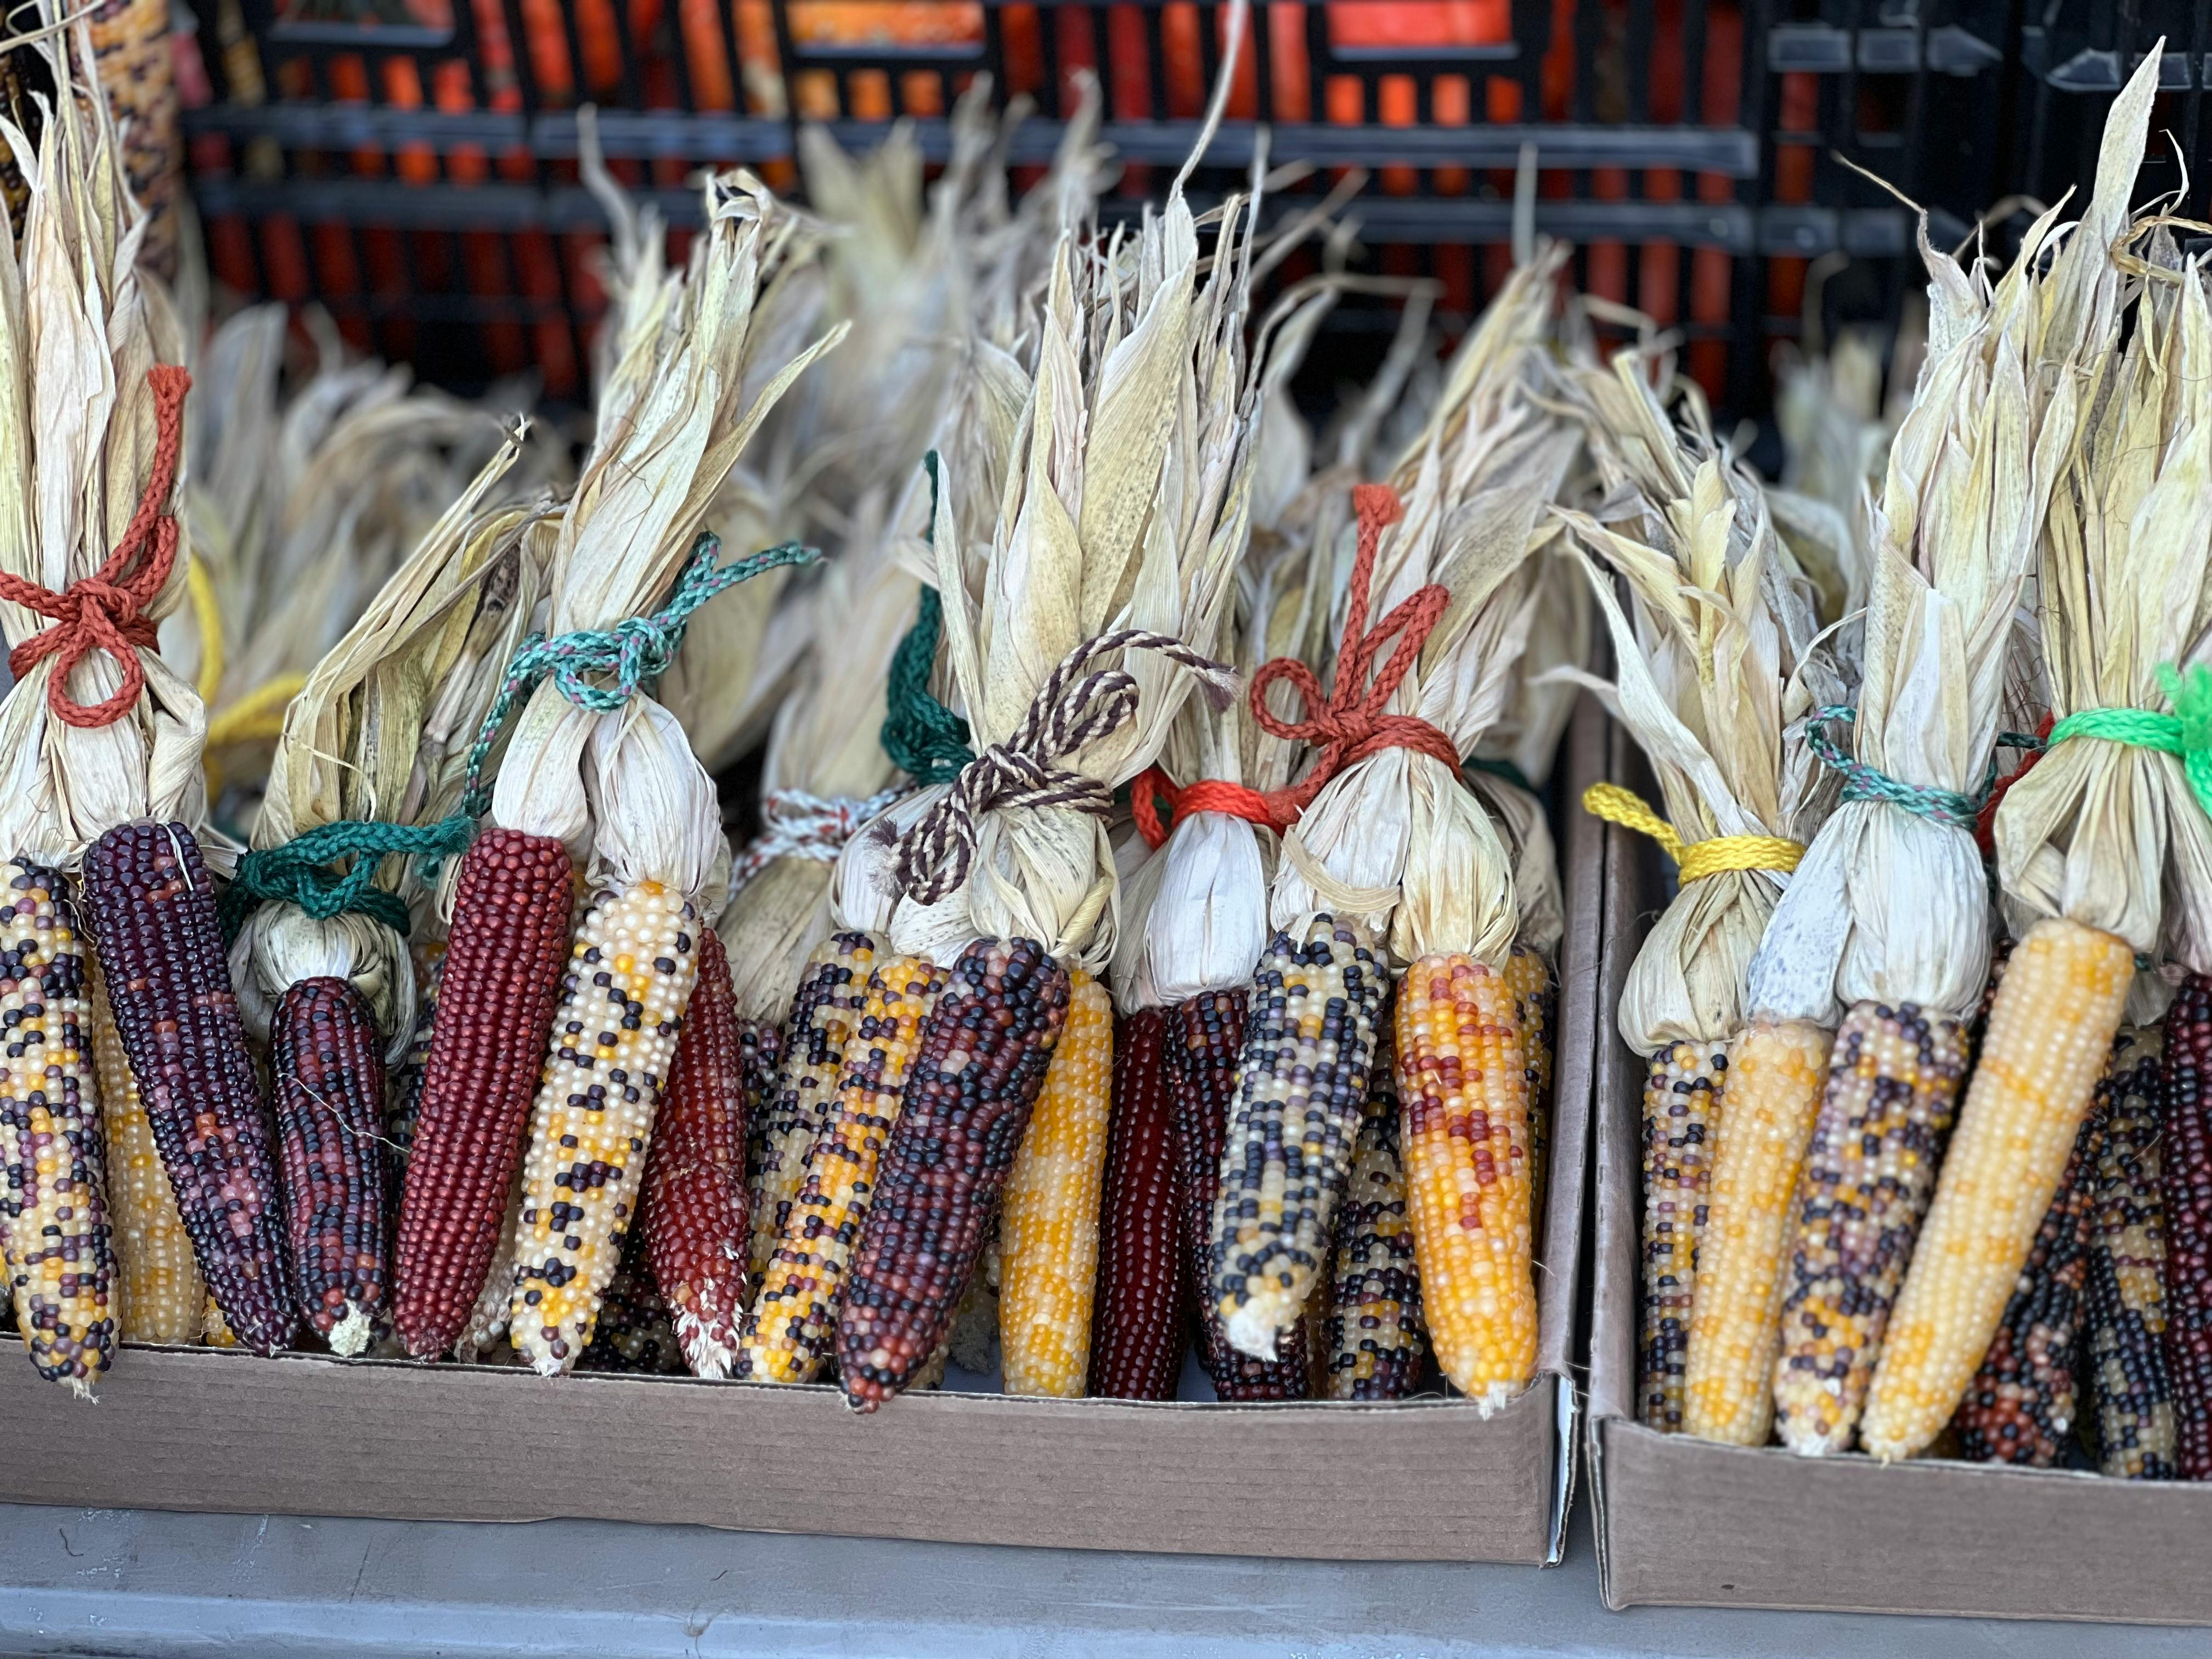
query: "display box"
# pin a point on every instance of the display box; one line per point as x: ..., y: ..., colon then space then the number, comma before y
x: 1685, y: 1522
x: 204, y: 1429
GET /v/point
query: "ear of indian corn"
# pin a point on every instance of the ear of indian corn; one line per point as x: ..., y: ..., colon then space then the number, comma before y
x: 1774, y: 1079
x: 60, y: 1257
x: 1886, y: 1112
x: 158, y: 1284
x: 485, y: 1327
x: 2050, y: 1033
x: 635, y: 1331
x: 630, y: 974
x: 1463, y: 1094
x: 790, y: 1334
x: 823, y: 1011
x: 1300, y: 1085
x: 1137, y: 1325
x: 2021, y: 1405
x: 2124, y: 1301
x: 168, y: 980
x: 496, y: 992
x: 1376, y: 1343
x: 328, y: 1063
x: 403, y: 1106
x: 1683, y: 1093
x: 697, y: 1236
x: 980, y: 1060
x: 1206, y: 1036
x: 1535, y: 991
x: 1049, y: 1217
x: 2185, y: 1183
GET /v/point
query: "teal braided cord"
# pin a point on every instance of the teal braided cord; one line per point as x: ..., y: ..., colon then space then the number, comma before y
x: 1500, y: 768
x: 2185, y: 733
x: 924, y: 738
x: 1864, y: 782
x: 296, y: 871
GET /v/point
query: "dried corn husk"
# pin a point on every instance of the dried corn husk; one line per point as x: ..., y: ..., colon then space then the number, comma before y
x: 1835, y: 439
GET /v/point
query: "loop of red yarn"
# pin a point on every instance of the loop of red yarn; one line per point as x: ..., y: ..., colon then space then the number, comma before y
x: 1985, y: 823
x: 1234, y: 800
x: 103, y: 612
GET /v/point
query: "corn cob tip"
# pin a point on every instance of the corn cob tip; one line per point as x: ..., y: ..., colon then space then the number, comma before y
x: 349, y: 1338
x: 1266, y: 1313
x: 710, y: 1345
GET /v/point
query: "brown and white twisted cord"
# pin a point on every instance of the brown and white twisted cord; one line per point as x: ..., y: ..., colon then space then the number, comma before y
x: 795, y: 824
x: 1072, y: 709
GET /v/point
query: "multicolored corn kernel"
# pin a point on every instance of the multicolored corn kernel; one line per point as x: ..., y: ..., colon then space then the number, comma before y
x: 2125, y: 1298
x: 53, y: 1207
x: 1885, y: 1113
x: 1376, y: 1343
x: 495, y: 1000
x: 1463, y: 1094
x: 981, y: 1057
x: 1049, y: 1216
x: 630, y: 975
x: 790, y: 1333
x: 1300, y: 1086
x: 328, y: 1063
x: 823, y: 1012
x: 2049, y: 1034
x: 1535, y: 991
x: 1137, y: 1325
x: 636, y: 1332
x: 1776, y: 1070
x: 168, y: 980
x: 1205, y: 1039
x: 1683, y: 1092
x: 2185, y: 1183
x: 158, y: 1287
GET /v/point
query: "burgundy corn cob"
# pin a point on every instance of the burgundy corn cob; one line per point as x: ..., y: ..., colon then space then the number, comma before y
x: 696, y: 1233
x: 2185, y: 1100
x: 1136, y: 1339
x: 980, y: 1060
x: 496, y: 1000
x: 329, y: 1067
x: 168, y: 980
x: 1206, y: 1036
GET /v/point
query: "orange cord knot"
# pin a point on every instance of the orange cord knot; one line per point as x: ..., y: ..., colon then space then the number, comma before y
x: 106, y: 610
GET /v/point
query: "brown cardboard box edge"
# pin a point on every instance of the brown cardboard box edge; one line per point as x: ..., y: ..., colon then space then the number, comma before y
x: 1682, y: 1522
x: 199, y: 1429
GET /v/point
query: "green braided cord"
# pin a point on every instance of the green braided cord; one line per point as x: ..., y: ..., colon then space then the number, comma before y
x: 2185, y: 733
x: 296, y: 871
x: 1864, y: 782
x: 1501, y: 769
x: 924, y: 738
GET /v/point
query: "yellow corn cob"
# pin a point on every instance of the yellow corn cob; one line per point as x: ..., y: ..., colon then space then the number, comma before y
x: 2049, y: 1034
x: 630, y: 973
x: 1774, y: 1077
x: 159, y: 1290
x: 789, y: 1336
x: 1048, y: 1220
x: 1536, y: 1004
x: 1682, y: 1096
x: 1463, y: 1089
x: 215, y: 1329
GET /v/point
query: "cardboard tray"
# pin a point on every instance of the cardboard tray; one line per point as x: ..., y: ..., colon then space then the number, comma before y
x: 201, y: 1429
x: 1683, y: 1522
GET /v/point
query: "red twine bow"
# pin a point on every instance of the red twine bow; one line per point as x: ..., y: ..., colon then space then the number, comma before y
x: 1985, y: 824
x: 103, y: 611
x: 1349, y: 724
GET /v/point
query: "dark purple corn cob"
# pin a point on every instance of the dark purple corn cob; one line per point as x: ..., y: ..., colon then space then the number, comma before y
x: 2185, y: 1174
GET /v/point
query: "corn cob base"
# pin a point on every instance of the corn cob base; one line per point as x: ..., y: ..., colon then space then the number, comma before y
x: 824, y: 1010
x: 1682, y: 1101
x: 1136, y: 1339
x: 2185, y: 1184
x: 2124, y: 1301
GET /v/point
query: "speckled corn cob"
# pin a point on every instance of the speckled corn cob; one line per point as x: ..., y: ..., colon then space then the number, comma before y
x: 1300, y: 1083
x: 630, y: 975
x: 1204, y: 1038
x: 697, y: 1236
x: 1536, y: 1011
x: 2049, y: 1034
x: 635, y: 1331
x: 1775, y: 1075
x: 1885, y: 1113
x: 328, y: 1064
x: 485, y: 1327
x: 1463, y: 1088
x: 1137, y: 1328
x: 1683, y: 1095
x: 2185, y: 1184
x: 823, y: 1011
x: 790, y: 1333
x: 158, y: 1286
x: 1376, y: 1343
x: 980, y: 1060
x: 168, y: 979
x: 1049, y: 1217
x: 2125, y: 1302
x: 61, y: 1262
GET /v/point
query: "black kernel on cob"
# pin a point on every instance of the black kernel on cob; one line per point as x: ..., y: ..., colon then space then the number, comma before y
x: 1377, y: 1347
x: 636, y: 1332
x: 154, y: 913
x: 981, y: 1058
x: 2185, y: 1181
x: 825, y: 1011
x: 328, y: 1064
x: 2126, y: 1292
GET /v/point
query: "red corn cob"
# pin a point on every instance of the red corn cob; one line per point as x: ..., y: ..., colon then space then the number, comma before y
x: 980, y: 1060
x: 329, y: 1067
x: 1136, y: 1339
x: 168, y: 980
x: 2186, y: 1175
x: 696, y: 1228
x: 495, y: 1000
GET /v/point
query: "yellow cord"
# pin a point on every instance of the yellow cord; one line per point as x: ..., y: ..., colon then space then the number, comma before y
x: 208, y: 615
x: 1698, y: 858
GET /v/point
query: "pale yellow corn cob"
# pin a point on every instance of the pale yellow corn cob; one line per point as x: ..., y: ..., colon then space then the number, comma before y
x: 160, y: 1293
